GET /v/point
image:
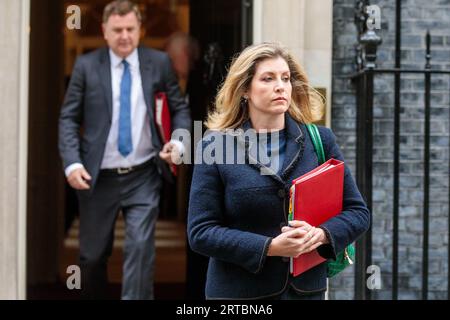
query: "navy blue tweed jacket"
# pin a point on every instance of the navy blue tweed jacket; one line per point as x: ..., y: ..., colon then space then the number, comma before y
x: 235, y: 212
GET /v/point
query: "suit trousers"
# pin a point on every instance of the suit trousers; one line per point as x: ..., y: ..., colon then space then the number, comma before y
x: 136, y: 195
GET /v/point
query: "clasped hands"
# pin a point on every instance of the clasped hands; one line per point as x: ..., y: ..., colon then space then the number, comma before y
x: 296, y: 239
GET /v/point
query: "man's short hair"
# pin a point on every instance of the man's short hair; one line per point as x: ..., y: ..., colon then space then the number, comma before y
x: 121, y: 7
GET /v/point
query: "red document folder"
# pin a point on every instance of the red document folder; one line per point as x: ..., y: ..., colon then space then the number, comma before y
x: 315, y: 198
x: 162, y: 120
x: 162, y: 116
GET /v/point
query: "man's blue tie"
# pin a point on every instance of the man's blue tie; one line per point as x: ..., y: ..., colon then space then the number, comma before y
x: 125, y: 141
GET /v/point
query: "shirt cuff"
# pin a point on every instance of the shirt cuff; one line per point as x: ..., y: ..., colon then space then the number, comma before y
x: 179, y: 145
x: 72, y: 167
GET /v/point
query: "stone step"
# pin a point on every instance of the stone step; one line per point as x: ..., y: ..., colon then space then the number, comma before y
x: 170, y: 242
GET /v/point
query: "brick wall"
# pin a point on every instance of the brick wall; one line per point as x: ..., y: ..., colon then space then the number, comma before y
x: 417, y: 17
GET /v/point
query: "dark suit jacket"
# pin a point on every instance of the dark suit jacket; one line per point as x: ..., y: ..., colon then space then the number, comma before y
x: 235, y: 212
x: 88, y: 105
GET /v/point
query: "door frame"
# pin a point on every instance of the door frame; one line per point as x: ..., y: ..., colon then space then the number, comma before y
x: 24, y: 31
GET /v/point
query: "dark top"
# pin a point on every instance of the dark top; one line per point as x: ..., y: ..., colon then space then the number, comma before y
x: 273, y: 145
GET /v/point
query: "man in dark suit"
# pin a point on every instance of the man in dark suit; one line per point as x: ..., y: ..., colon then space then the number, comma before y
x: 116, y: 163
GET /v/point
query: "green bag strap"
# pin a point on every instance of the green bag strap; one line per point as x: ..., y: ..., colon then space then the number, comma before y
x: 345, y: 258
x: 317, y: 141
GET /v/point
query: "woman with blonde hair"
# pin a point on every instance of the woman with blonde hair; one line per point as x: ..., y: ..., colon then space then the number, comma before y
x: 238, y: 209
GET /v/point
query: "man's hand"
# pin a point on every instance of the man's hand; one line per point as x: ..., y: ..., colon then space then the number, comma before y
x: 170, y: 153
x: 79, y: 178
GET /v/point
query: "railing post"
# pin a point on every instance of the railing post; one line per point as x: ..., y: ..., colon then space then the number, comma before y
x: 426, y: 175
x: 396, y: 186
x: 368, y: 42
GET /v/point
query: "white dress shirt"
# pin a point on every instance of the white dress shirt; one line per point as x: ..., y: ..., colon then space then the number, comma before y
x: 140, y: 125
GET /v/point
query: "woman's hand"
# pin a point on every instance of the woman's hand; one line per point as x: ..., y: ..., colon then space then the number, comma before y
x: 299, y: 238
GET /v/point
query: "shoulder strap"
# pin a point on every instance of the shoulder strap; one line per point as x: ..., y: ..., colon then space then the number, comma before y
x: 317, y: 141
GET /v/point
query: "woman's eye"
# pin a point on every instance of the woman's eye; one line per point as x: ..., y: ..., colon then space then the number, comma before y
x: 286, y: 79
x: 267, y: 78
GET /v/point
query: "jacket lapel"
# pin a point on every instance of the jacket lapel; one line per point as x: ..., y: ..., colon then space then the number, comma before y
x: 145, y: 67
x: 293, y: 153
x: 251, y: 152
x: 295, y: 144
x: 105, y: 79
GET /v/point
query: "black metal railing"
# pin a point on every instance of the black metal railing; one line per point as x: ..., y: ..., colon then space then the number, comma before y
x: 363, y: 81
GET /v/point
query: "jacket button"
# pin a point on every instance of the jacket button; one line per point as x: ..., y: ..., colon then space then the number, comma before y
x: 285, y: 259
x: 281, y: 193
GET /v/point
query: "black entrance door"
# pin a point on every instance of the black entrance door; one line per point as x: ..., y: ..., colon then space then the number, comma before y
x: 221, y: 28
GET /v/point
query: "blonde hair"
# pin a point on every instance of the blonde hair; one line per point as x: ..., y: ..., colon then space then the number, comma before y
x: 306, y: 103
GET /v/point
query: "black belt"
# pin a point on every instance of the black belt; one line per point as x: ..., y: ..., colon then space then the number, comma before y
x: 125, y: 170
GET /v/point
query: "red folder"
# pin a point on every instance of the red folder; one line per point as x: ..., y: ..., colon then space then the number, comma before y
x: 162, y: 120
x: 162, y: 116
x: 315, y: 198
